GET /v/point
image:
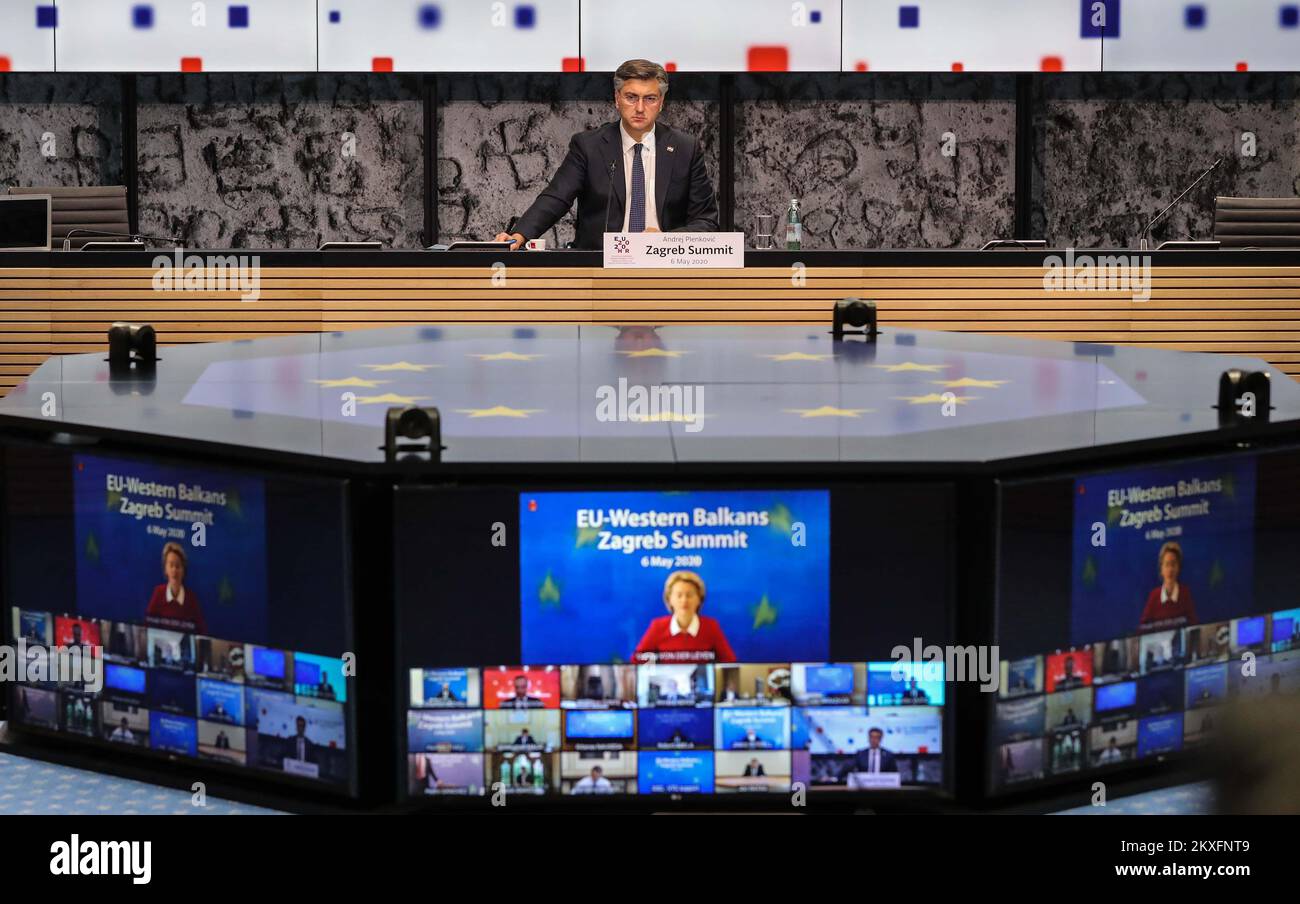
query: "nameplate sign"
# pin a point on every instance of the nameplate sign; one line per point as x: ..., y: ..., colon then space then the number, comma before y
x: 675, y: 250
x: 871, y: 781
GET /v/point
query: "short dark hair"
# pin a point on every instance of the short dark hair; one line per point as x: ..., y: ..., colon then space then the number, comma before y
x: 641, y: 69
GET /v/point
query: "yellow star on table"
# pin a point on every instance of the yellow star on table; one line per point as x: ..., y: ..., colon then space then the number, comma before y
x: 970, y: 382
x: 827, y: 411
x: 350, y: 381
x: 401, y: 365
x: 498, y: 411
x: 653, y: 353
x: 908, y: 366
x: 506, y: 356
x: 390, y: 398
x: 798, y: 356
x: 935, y: 398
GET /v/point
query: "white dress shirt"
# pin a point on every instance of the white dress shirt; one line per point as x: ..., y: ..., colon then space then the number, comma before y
x: 648, y: 163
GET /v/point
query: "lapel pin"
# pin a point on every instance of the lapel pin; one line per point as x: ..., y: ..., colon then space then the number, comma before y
x: 669, y: 149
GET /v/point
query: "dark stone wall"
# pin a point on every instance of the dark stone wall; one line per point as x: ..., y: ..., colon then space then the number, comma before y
x: 260, y: 160
x: 81, y: 112
x: 264, y: 161
x: 865, y: 157
x: 1110, y: 152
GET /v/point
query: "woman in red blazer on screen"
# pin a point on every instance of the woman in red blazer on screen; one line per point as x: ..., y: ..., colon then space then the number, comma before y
x: 685, y: 631
x: 1169, y: 605
x: 173, y: 605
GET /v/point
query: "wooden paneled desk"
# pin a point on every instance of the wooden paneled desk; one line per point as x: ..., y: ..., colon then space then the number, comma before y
x: 1239, y: 302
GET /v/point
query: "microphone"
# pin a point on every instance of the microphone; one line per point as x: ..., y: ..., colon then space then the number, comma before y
x: 609, y: 195
x: 130, y: 236
x: 1146, y: 233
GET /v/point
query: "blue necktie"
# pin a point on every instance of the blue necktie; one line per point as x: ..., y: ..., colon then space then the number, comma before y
x: 636, y: 217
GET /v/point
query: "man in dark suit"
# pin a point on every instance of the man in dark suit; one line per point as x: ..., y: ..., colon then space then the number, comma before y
x: 875, y: 758
x: 627, y: 176
x: 299, y: 747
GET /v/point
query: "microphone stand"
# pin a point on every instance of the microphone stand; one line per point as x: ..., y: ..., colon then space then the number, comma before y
x: 1144, y: 242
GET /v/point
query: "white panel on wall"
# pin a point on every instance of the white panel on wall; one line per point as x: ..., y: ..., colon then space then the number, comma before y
x: 186, y: 36
x: 26, y: 36
x: 713, y: 35
x: 969, y: 36
x: 1206, y: 36
x: 448, y: 36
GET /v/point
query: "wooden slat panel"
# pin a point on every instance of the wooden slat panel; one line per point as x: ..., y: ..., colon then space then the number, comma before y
x: 1239, y: 310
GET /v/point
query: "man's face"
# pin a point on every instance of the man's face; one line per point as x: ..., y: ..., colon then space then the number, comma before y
x: 639, y: 102
x: 521, y: 686
x: 302, y: 726
x: 874, y: 739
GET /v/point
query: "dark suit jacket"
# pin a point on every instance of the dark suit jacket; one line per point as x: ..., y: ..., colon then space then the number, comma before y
x: 684, y: 200
x: 862, y: 762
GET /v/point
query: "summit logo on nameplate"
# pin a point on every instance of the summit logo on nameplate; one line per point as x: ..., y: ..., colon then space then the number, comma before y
x: 675, y: 250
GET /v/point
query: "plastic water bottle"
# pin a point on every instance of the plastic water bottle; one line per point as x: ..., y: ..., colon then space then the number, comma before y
x: 793, y: 227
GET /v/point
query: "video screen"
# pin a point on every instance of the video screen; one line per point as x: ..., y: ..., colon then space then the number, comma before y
x: 1166, y: 579
x: 195, y: 589
x: 673, y: 642
x: 682, y: 577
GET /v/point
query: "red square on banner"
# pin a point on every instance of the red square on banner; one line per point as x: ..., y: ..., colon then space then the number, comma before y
x: 381, y: 64
x: 4, y: 64
x: 1242, y: 67
x: 1052, y: 64
x: 769, y: 59
x: 573, y: 64
x: 861, y: 66
x: 670, y: 66
x: 958, y: 67
x: 191, y: 64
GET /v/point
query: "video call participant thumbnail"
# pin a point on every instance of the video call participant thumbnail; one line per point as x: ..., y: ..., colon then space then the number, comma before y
x: 1068, y: 670
x: 598, y: 686
x: 454, y: 774
x: 124, y: 724
x: 172, y: 604
x: 684, y: 635
x: 521, y: 688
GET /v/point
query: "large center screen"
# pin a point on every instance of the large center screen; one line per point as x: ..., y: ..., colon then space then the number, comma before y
x: 640, y: 642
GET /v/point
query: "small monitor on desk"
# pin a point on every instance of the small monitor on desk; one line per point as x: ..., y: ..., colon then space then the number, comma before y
x: 25, y: 222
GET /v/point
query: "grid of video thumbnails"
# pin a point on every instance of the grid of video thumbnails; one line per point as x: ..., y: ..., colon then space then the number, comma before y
x: 674, y: 728
x: 1113, y: 702
x: 189, y: 695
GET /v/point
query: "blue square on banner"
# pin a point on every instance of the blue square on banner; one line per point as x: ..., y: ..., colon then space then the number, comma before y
x: 1099, y: 23
x: 909, y: 17
x: 430, y: 16
x: 238, y: 17
x: 47, y: 17
x: 1194, y: 16
x: 142, y: 16
x: 525, y: 17
x: 1290, y: 16
x: 335, y: 16
x: 815, y: 16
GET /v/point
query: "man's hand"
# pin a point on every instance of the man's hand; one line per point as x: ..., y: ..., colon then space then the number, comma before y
x: 514, y: 237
